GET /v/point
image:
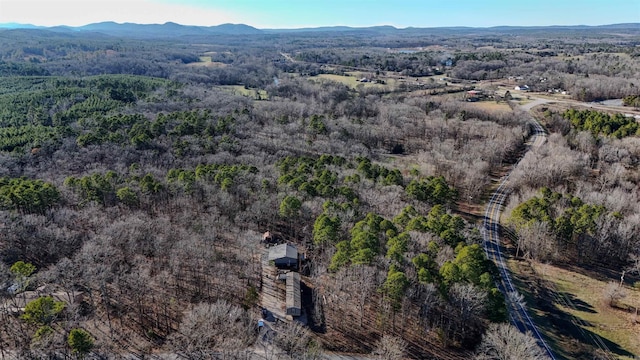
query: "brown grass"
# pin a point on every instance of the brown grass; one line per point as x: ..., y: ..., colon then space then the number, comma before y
x: 205, y: 61
x: 617, y: 325
x: 574, y: 330
x: 352, y: 80
x: 491, y: 106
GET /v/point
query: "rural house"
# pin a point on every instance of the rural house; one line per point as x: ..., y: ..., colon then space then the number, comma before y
x: 284, y: 256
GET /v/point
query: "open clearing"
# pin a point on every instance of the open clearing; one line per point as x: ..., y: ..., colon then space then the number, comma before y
x: 205, y: 61
x: 617, y: 325
x: 570, y: 308
x: 257, y: 94
x: 491, y: 106
x: 352, y: 80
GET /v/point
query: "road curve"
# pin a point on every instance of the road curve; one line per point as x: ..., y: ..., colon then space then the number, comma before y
x: 491, y: 241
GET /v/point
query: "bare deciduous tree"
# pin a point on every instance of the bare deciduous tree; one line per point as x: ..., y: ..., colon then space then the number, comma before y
x: 390, y: 348
x: 467, y: 299
x: 295, y: 340
x: 504, y: 341
x: 536, y: 241
x: 613, y: 293
x: 210, y: 329
x: 359, y: 282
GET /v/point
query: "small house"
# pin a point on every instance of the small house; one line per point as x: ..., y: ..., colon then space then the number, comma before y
x: 475, y: 95
x: 284, y: 256
x: 293, y: 296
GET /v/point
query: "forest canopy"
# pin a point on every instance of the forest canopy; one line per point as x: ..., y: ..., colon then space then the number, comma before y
x: 143, y: 180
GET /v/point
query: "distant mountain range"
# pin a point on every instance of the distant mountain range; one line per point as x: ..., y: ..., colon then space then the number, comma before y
x: 170, y: 29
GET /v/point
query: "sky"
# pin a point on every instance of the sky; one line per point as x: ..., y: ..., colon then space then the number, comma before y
x: 314, y: 13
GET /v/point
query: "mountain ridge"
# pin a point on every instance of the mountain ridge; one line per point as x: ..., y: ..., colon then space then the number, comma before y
x: 172, y: 29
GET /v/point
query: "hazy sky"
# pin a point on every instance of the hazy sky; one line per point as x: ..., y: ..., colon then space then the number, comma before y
x: 304, y: 13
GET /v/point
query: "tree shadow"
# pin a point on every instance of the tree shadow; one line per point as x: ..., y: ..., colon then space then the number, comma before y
x: 308, y: 305
x: 561, y: 324
x: 569, y: 336
x: 578, y: 304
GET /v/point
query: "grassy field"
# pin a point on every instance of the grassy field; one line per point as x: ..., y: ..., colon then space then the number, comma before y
x: 352, y: 80
x: 241, y: 90
x: 570, y: 308
x: 614, y: 324
x: 491, y: 106
x: 206, y: 62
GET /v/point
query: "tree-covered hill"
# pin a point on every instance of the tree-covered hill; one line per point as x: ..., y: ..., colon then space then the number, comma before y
x: 137, y: 177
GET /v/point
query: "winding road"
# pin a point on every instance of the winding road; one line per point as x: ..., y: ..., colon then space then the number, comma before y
x: 493, y: 249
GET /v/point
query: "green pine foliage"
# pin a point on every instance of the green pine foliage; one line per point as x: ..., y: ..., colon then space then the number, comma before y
x: 22, y: 269
x: 631, y: 100
x: 112, y: 188
x: 394, y: 286
x: 127, y: 196
x: 140, y: 132
x: 54, y: 101
x: 397, y: 246
x: 341, y: 257
x: 317, y: 125
x: 314, y: 176
x: 576, y: 219
x: 378, y: 173
x: 434, y: 190
x: 20, y: 69
x: 446, y: 226
x: 223, y: 175
x: 40, y: 111
x: 365, y: 243
x: 326, y: 229
x: 100, y: 188
x: 290, y: 207
x: 28, y: 136
x: 80, y: 341
x: 469, y: 266
x: 25, y: 195
x: 42, y: 311
x: 43, y: 332
x: 616, y: 125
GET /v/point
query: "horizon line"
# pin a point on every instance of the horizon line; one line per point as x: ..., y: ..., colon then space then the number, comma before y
x: 16, y: 25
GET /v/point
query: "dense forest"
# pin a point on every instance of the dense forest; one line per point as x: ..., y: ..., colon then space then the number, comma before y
x: 137, y: 177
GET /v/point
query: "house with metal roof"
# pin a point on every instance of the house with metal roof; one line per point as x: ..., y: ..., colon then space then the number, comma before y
x: 284, y: 256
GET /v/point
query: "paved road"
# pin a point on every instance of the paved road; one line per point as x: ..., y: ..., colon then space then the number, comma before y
x: 493, y: 248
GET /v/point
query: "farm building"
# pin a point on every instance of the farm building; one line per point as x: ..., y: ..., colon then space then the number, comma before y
x: 293, y: 297
x: 475, y: 95
x: 284, y: 256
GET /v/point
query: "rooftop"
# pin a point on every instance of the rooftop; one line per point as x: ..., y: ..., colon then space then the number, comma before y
x: 293, y: 297
x: 283, y: 251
